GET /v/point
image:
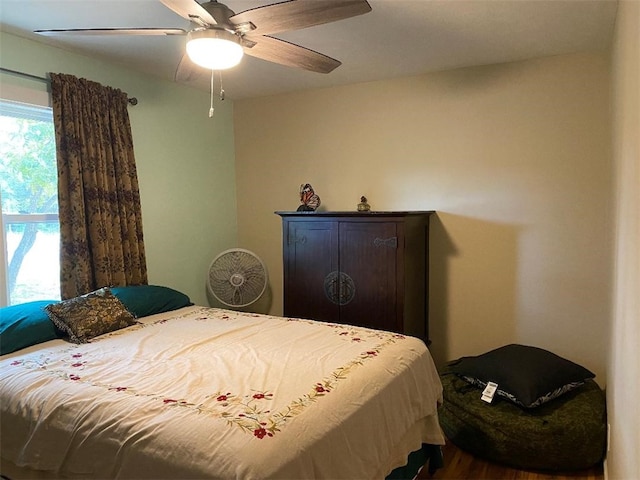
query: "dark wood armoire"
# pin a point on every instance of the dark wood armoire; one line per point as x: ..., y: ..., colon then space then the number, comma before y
x: 368, y: 269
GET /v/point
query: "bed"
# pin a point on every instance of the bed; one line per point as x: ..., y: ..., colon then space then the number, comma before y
x: 199, y: 392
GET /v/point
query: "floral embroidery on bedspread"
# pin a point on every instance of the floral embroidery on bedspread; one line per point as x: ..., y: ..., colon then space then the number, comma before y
x: 250, y: 411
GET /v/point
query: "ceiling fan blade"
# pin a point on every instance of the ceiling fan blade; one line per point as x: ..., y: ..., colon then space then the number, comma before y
x: 285, y: 53
x: 297, y: 14
x: 191, y: 10
x: 113, y: 31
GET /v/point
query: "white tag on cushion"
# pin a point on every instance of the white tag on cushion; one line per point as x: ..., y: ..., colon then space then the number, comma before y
x: 489, y: 392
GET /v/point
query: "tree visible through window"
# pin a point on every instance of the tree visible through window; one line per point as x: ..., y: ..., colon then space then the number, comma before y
x: 29, y: 198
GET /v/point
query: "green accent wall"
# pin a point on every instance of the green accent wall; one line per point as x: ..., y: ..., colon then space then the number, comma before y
x: 185, y: 159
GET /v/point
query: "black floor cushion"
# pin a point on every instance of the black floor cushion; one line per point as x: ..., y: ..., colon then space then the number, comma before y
x: 568, y: 433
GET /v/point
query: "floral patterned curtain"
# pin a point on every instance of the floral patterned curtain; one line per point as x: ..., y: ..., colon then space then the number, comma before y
x: 101, y: 242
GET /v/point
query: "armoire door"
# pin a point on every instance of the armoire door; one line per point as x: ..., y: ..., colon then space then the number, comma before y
x: 310, y: 255
x: 368, y: 264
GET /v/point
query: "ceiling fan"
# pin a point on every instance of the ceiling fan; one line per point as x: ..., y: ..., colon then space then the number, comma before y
x: 219, y: 37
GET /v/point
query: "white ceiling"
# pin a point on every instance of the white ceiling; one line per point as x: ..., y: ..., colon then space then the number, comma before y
x: 397, y: 38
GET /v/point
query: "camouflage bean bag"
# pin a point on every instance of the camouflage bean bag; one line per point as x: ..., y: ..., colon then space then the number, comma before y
x: 567, y: 433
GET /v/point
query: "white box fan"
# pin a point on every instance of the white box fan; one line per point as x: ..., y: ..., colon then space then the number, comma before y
x: 237, y: 278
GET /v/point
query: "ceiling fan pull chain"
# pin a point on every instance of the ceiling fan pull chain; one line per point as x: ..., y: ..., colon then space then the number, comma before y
x: 221, y: 89
x: 211, y: 104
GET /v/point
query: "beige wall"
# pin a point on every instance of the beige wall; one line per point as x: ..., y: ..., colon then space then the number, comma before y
x: 516, y: 160
x: 623, y: 389
x: 185, y: 160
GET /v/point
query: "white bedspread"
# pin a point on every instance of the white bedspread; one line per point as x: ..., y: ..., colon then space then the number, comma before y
x: 209, y: 393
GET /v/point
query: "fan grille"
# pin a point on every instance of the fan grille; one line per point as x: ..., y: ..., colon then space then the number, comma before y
x: 237, y: 278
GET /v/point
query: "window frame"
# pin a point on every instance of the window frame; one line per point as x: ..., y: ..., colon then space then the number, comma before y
x: 23, y: 99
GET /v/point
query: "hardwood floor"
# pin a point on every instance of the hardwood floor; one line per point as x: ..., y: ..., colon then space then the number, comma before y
x: 459, y: 465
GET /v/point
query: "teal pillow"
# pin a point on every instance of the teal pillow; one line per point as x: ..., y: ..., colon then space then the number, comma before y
x: 24, y: 325
x: 143, y: 300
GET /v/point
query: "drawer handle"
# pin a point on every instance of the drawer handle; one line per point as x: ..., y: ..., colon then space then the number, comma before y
x: 298, y: 239
x: 339, y: 288
x: 391, y: 242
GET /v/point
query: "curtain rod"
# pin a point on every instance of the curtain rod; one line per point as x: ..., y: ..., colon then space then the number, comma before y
x: 132, y: 100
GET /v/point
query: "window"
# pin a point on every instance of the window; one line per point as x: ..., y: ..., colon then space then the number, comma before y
x: 30, y: 264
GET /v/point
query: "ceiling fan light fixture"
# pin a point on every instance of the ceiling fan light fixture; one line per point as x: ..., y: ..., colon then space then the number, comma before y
x: 214, y: 48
